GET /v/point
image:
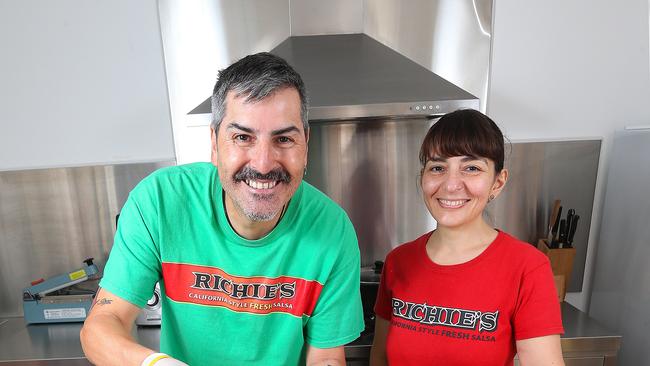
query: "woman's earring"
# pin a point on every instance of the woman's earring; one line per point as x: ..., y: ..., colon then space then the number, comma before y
x: 490, y: 198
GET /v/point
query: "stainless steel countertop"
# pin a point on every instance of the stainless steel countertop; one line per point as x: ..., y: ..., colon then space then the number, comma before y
x: 26, y: 345
x: 584, y: 336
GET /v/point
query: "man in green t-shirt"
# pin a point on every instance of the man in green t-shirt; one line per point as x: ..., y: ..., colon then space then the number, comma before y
x: 256, y: 267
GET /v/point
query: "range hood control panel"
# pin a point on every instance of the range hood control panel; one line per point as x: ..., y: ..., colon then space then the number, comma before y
x: 426, y: 107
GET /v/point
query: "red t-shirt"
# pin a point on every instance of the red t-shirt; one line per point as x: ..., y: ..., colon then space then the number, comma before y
x: 469, y: 313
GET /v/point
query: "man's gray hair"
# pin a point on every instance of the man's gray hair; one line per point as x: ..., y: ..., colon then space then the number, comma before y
x: 256, y: 77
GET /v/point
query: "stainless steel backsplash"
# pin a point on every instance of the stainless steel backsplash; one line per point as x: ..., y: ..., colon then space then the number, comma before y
x: 371, y: 169
x: 53, y: 219
x: 541, y: 172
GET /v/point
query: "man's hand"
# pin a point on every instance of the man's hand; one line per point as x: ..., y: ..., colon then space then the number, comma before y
x: 325, y: 356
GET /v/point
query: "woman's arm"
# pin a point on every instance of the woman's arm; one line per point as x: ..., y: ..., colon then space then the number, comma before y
x: 378, y: 350
x: 540, y: 351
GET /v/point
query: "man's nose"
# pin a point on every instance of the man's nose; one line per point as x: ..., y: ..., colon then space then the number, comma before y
x: 263, y: 157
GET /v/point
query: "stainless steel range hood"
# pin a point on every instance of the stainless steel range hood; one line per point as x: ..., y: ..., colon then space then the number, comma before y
x: 352, y: 76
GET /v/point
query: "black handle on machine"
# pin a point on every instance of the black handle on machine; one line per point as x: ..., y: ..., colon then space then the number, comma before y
x: 378, y: 267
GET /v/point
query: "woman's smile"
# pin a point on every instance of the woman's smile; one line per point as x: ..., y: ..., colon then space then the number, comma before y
x: 457, y: 189
x: 448, y: 203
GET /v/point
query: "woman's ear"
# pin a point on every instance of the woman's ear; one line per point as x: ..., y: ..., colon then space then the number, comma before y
x: 499, y: 182
x: 420, y: 177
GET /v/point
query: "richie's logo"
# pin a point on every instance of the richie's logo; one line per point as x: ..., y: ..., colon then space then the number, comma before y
x: 212, y: 286
x: 244, y: 290
x: 450, y: 317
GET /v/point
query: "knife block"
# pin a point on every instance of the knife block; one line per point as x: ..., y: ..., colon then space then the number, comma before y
x: 561, y: 264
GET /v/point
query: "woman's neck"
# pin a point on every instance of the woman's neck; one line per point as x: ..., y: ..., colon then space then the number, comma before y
x: 455, y: 245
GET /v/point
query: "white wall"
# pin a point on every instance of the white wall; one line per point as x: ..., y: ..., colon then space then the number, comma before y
x: 81, y: 82
x: 571, y: 69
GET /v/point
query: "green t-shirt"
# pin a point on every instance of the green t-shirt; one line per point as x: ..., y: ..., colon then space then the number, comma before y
x: 228, y: 300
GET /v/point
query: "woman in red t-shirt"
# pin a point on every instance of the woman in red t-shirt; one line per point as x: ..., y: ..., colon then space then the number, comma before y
x: 465, y: 293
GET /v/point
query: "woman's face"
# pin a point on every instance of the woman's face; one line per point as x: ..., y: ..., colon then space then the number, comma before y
x: 457, y: 189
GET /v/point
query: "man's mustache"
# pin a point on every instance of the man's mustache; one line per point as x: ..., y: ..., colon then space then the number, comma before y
x: 248, y: 173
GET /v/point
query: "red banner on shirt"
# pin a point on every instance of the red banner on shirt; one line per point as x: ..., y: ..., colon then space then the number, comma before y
x: 211, y: 286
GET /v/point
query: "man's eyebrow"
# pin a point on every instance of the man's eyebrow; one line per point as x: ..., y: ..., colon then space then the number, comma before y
x: 235, y: 125
x: 285, y: 130
x: 240, y: 127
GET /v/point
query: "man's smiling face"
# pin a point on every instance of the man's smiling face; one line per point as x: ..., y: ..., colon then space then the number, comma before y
x: 260, y: 151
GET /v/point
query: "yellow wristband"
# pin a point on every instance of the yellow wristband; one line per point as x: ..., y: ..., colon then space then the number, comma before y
x: 153, y: 358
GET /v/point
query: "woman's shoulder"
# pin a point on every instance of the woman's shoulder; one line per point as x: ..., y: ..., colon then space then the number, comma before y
x: 521, y: 251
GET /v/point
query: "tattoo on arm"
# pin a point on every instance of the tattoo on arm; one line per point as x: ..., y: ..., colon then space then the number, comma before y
x: 100, y: 302
x: 103, y: 301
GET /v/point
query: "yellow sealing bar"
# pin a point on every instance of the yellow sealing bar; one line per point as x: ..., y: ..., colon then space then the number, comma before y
x: 77, y: 274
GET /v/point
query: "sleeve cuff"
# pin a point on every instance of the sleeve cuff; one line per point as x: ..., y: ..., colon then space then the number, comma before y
x: 538, y: 333
x: 334, y: 343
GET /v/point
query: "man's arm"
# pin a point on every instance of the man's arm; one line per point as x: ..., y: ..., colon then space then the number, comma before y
x: 106, y: 334
x: 540, y: 351
x: 325, y: 356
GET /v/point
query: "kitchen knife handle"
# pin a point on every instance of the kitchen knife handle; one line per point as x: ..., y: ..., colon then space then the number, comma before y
x: 569, y: 218
x: 572, y: 230
x: 563, y: 233
x: 557, y: 223
x: 552, y: 219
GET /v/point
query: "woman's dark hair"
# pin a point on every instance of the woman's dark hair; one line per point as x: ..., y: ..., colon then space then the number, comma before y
x: 465, y: 132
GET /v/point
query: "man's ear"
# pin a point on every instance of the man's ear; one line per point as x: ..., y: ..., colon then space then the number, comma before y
x: 213, y: 146
x: 307, y: 145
